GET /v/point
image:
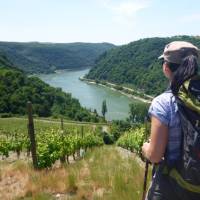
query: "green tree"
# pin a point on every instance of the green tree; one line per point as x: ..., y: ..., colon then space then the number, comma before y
x: 138, y: 111
x: 104, y: 108
x: 95, y: 113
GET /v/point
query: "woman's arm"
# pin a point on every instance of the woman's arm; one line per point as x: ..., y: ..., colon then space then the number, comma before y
x: 155, y: 149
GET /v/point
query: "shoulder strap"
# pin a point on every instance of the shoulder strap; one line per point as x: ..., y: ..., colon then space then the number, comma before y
x: 189, y: 94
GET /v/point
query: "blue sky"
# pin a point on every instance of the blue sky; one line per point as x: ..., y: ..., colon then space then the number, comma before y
x: 115, y: 21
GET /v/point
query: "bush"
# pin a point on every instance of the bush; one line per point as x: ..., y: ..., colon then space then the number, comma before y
x: 133, y: 139
x: 108, y: 138
x: 117, y: 87
x: 5, y: 115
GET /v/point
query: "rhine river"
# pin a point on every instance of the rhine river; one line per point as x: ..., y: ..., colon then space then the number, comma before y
x: 90, y: 95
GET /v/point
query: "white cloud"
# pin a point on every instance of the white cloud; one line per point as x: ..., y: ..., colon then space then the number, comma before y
x: 129, y: 8
x: 190, y: 18
x: 124, y: 11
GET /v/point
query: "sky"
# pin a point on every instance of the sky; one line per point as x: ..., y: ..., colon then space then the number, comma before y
x: 114, y: 21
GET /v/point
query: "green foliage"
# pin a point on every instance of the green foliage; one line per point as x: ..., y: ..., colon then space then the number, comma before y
x: 117, y: 87
x: 52, y: 143
x: 5, y: 115
x: 4, y: 147
x: 133, y: 140
x: 138, y: 112
x: 47, y: 57
x: 136, y: 64
x: 108, y: 138
x: 119, y: 127
x: 104, y: 108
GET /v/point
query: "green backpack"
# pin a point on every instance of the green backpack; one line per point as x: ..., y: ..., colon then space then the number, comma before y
x: 187, y: 172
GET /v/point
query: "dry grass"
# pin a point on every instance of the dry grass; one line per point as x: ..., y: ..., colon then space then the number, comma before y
x: 103, y: 174
x: 13, y: 181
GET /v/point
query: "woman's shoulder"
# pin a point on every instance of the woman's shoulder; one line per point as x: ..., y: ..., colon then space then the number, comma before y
x: 166, y: 98
x: 163, y: 106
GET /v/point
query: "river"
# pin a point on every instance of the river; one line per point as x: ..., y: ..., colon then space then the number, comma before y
x: 90, y: 95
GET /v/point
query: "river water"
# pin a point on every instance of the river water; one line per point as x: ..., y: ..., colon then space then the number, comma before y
x: 90, y: 95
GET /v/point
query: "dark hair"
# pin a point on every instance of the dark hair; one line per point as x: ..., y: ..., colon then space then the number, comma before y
x: 173, y: 66
x: 187, y: 69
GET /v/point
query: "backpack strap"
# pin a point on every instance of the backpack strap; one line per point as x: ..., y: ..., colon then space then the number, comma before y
x: 187, y: 98
x: 174, y: 174
x: 184, y: 184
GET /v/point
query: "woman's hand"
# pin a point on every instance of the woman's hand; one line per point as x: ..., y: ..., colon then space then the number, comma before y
x: 145, y: 148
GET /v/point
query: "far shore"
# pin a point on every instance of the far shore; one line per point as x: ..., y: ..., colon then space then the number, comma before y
x: 112, y: 85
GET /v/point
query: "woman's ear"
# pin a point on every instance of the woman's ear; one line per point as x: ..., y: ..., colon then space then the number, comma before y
x: 166, y: 70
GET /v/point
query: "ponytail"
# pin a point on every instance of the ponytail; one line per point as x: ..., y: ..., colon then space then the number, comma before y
x: 187, y: 69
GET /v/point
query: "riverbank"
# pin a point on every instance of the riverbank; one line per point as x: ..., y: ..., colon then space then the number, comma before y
x: 123, y: 90
x: 91, y: 96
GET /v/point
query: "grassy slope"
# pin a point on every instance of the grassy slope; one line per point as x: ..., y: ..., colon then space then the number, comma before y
x: 104, y: 173
x: 11, y: 125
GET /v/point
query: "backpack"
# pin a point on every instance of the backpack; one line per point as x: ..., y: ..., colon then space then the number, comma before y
x: 188, y: 101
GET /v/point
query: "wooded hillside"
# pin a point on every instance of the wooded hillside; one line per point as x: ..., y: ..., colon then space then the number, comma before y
x: 16, y: 89
x: 136, y: 64
x: 37, y: 57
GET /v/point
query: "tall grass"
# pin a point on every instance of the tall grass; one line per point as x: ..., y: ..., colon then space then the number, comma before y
x: 120, y: 177
x: 103, y: 174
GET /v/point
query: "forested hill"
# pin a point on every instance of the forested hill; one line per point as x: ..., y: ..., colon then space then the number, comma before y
x: 37, y: 57
x: 136, y: 64
x: 4, y: 62
x: 16, y: 89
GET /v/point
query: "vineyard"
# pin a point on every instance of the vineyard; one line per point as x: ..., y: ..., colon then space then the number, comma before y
x: 133, y: 139
x: 56, y: 143
x: 53, y: 143
x: 70, y: 165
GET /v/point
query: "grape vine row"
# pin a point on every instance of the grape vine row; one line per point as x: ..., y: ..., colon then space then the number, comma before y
x: 52, y: 144
x: 133, y: 140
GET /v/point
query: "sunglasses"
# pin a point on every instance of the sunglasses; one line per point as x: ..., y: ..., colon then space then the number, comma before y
x: 162, y: 61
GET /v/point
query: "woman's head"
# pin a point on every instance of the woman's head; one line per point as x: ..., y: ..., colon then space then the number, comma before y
x: 179, y: 62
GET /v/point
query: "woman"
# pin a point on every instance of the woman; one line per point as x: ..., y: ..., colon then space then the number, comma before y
x: 164, y: 149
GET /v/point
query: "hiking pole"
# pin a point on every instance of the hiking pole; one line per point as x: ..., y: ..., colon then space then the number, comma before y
x: 146, y: 166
